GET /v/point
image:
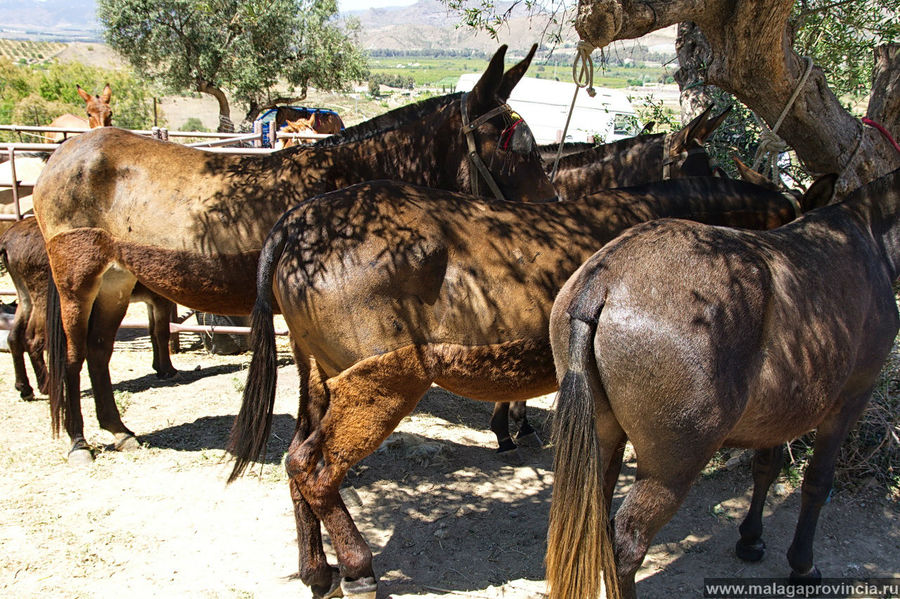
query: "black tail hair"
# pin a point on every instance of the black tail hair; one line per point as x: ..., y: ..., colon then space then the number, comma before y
x: 251, y: 428
x: 60, y: 411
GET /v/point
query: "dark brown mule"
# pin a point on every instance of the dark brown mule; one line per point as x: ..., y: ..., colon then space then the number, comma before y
x: 99, y: 114
x: 23, y: 255
x: 632, y: 161
x: 189, y: 225
x: 393, y: 287
x: 638, y: 160
x: 684, y: 338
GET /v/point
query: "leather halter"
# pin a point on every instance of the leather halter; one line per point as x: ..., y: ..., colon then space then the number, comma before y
x: 468, y: 128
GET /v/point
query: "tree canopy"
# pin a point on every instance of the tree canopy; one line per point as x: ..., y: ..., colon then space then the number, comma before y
x: 756, y: 50
x: 249, y: 47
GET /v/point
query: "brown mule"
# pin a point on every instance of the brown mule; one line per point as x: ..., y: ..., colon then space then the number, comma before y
x: 588, y: 169
x: 23, y: 255
x: 393, y: 287
x: 189, y: 225
x: 99, y: 114
x: 638, y: 160
x: 684, y: 338
x: 317, y: 121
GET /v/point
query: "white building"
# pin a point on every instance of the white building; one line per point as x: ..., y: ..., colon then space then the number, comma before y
x: 544, y: 105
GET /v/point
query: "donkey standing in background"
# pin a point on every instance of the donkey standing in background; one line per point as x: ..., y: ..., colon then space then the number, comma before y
x: 99, y: 114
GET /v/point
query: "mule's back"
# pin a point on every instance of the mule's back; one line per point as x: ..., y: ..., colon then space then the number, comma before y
x: 470, y: 271
x: 739, y: 317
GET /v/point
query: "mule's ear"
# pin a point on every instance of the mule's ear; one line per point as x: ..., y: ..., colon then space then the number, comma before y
x: 106, y: 94
x: 514, y: 75
x: 819, y: 193
x: 84, y: 95
x: 686, y: 134
x: 485, y: 91
x: 648, y: 128
x: 706, y: 128
x: 751, y: 176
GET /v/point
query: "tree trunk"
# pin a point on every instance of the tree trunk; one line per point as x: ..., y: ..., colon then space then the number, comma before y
x: 752, y: 58
x: 694, y: 55
x: 225, y: 124
x: 884, y: 103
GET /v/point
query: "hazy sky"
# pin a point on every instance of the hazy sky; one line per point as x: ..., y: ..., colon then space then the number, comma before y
x: 348, y: 5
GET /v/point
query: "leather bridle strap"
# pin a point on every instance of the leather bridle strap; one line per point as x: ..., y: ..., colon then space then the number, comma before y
x: 468, y: 128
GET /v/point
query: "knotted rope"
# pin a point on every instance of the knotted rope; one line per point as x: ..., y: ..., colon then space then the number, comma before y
x: 770, y: 145
x: 582, y: 78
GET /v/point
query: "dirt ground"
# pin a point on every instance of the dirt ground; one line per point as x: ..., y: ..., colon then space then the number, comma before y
x: 444, y: 514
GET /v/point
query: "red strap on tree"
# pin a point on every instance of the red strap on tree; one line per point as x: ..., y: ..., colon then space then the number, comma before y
x: 882, y: 130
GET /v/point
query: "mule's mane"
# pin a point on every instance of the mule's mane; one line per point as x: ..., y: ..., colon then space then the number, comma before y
x: 611, y: 150
x: 389, y: 120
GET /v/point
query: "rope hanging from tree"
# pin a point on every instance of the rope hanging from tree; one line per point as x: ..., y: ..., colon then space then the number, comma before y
x: 770, y: 145
x: 583, y: 78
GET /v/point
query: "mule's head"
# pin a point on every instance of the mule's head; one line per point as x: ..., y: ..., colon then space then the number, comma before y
x: 299, y: 126
x: 98, y: 111
x: 685, y: 154
x: 500, y: 139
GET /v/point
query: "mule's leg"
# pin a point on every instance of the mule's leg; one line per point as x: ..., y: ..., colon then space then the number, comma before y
x: 36, y: 333
x: 18, y: 343
x: 77, y: 283
x: 109, y: 309
x: 500, y: 426
x: 661, y: 485
x: 817, y: 481
x: 365, y: 403
x: 526, y: 435
x: 766, y: 466
x: 315, y: 572
x: 159, y: 313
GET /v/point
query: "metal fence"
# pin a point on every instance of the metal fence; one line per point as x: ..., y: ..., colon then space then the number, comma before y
x: 251, y: 143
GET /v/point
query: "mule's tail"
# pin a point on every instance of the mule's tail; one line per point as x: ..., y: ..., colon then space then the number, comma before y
x: 579, y: 545
x: 56, y: 347
x: 251, y: 428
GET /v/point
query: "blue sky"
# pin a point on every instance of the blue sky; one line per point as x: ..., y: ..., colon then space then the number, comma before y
x: 348, y: 5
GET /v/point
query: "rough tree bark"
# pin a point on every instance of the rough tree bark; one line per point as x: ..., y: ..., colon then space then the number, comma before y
x: 884, y: 106
x: 752, y: 58
x: 694, y: 54
x: 225, y: 124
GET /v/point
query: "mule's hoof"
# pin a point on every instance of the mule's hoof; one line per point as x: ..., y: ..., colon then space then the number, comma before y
x: 80, y: 454
x: 530, y: 440
x: 333, y: 591
x: 126, y: 442
x: 27, y: 397
x: 166, y: 374
x: 506, y: 445
x: 750, y: 553
x: 813, y: 577
x: 361, y: 588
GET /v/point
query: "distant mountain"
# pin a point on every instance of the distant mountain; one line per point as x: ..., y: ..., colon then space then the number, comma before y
x: 426, y: 25
x: 430, y: 25
x: 49, y: 19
